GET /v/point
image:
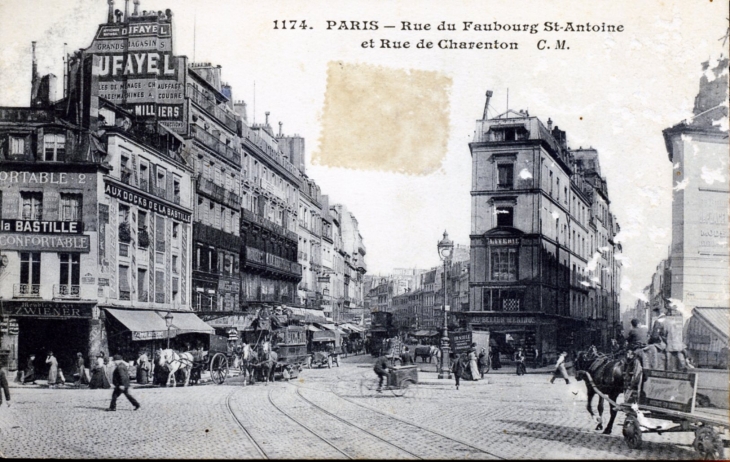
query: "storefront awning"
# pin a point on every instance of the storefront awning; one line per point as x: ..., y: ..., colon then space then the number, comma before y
x: 239, y: 322
x: 313, y: 329
x: 425, y: 333
x: 189, y: 323
x: 143, y: 324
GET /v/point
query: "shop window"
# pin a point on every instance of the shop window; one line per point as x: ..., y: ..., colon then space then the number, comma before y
x: 54, y: 147
x: 504, y: 264
x: 125, y: 292
x: 71, y: 207
x: 505, y: 173
x: 142, y: 284
x: 30, y: 274
x: 32, y: 205
x: 505, y: 216
x: 69, y: 274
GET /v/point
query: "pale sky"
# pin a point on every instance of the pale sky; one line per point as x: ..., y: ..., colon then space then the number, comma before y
x: 615, y: 92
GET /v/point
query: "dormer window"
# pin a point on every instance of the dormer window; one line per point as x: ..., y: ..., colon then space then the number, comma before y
x: 54, y: 147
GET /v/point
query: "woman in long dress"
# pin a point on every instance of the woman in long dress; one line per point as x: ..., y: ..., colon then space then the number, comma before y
x: 475, y: 375
x: 109, y: 369
x: 98, y: 375
x: 143, y: 369
x: 52, y: 370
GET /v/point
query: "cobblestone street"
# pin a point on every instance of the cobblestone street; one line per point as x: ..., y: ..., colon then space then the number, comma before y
x: 325, y: 413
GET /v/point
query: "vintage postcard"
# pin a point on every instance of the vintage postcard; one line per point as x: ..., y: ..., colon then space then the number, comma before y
x: 408, y: 229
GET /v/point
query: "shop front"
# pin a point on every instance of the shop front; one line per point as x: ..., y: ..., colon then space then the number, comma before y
x: 130, y: 332
x: 39, y: 327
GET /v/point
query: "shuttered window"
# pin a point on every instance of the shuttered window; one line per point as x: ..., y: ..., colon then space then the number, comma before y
x: 159, y: 287
x: 159, y: 234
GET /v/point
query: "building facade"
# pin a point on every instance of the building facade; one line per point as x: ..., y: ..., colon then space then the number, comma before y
x: 543, y: 271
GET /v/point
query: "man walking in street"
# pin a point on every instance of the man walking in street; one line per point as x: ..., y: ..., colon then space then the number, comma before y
x: 520, y: 360
x: 120, y: 379
x: 560, y: 369
x: 381, y: 370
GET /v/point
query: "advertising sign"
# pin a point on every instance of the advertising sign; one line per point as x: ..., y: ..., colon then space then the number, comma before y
x: 141, y: 200
x: 45, y: 242
x: 42, y: 227
x: 46, y: 309
x: 669, y: 390
x: 460, y: 341
x: 135, y: 68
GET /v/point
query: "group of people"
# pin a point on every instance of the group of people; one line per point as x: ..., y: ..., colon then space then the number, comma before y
x: 470, y: 365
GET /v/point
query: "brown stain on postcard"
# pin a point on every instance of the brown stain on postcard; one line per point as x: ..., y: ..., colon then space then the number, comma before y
x: 377, y: 118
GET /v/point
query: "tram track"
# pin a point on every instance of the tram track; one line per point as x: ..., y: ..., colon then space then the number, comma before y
x: 253, y: 441
x: 412, y: 424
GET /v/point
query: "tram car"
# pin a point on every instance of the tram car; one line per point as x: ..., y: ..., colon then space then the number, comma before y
x: 381, y: 328
x: 290, y: 343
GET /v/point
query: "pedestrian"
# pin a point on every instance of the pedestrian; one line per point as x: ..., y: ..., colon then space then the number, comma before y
x: 457, y: 368
x: 633, y: 339
x: 560, y: 369
x: 520, y: 360
x: 343, y: 347
x: 475, y: 375
x: 4, y: 385
x: 29, y: 375
x: 121, y: 384
x: 483, y: 362
x: 98, y: 374
x: 80, y: 374
x: 536, y: 360
x: 143, y: 368
x: 52, y: 370
x: 496, y: 361
x: 406, y: 358
x: 109, y: 366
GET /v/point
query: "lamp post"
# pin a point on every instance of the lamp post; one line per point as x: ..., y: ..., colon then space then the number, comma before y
x: 168, y: 322
x: 445, y: 248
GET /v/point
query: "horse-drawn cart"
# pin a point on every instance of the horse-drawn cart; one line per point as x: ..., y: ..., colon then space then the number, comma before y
x: 216, y: 360
x: 324, y: 358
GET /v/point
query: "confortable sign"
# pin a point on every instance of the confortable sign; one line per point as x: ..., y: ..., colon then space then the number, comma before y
x: 45, y: 242
x: 134, y: 198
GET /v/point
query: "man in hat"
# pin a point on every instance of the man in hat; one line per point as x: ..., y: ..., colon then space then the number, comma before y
x: 657, y: 342
x: 121, y: 384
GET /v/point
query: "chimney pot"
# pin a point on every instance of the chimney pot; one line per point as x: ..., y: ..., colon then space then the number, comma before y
x: 110, y: 14
x: 550, y: 123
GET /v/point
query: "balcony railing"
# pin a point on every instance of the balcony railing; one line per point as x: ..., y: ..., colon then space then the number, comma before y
x: 26, y: 290
x: 268, y: 260
x: 66, y: 291
x: 218, y: 193
x: 216, y: 145
x: 267, y: 224
x: 212, y: 108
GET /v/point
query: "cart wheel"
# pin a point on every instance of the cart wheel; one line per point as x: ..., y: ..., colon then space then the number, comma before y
x: 406, y: 389
x: 632, y: 433
x: 219, y: 368
x: 708, y: 444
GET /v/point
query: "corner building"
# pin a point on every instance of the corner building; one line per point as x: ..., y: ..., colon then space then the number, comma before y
x: 542, y: 271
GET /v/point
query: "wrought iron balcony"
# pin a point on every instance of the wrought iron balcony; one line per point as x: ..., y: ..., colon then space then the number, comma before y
x: 66, y: 291
x: 215, y: 144
x: 26, y: 290
x: 212, y: 108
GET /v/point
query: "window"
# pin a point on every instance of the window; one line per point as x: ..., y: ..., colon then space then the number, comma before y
x: 125, y: 173
x: 504, y: 264
x: 142, y: 292
x: 175, y: 231
x: 54, y: 147
x: 30, y: 273
x: 125, y: 292
x: 176, y: 188
x: 175, y: 266
x: 32, y: 205
x: 123, y: 213
x: 159, y: 287
x: 161, y: 182
x: 213, y: 216
x: 504, y: 216
x: 144, y: 175
x: 17, y: 146
x: 160, y: 234
x: 551, y: 183
x: 142, y: 234
x: 506, y: 176
x: 71, y: 207
x: 70, y: 274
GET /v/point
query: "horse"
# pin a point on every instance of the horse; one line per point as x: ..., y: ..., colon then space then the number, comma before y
x: 426, y: 353
x: 267, y: 360
x: 247, y: 362
x: 608, y: 375
x: 175, y: 361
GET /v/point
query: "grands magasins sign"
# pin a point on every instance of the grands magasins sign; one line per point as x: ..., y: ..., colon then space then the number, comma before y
x: 134, y: 67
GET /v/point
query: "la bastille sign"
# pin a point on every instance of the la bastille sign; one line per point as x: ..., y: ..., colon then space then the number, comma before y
x: 46, y: 309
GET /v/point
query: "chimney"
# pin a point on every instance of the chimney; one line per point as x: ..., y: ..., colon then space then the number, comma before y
x: 110, y: 14
x: 34, y: 80
x: 550, y: 124
x: 136, y: 8
x: 126, y: 10
x: 485, y: 116
x: 280, y: 125
x: 267, y: 118
x: 240, y: 108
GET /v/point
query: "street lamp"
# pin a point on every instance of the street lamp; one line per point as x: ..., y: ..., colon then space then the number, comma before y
x: 168, y: 322
x: 445, y: 248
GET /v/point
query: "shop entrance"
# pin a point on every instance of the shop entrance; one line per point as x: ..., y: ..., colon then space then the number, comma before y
x: 65, y: 337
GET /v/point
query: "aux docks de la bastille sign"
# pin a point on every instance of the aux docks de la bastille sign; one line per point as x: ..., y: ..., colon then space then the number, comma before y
x: 133, y: 66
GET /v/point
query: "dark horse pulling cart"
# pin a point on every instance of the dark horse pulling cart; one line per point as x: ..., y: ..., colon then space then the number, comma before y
x: 216, y: 360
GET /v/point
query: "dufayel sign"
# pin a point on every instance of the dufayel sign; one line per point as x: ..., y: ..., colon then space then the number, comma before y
x: 133, y: 66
